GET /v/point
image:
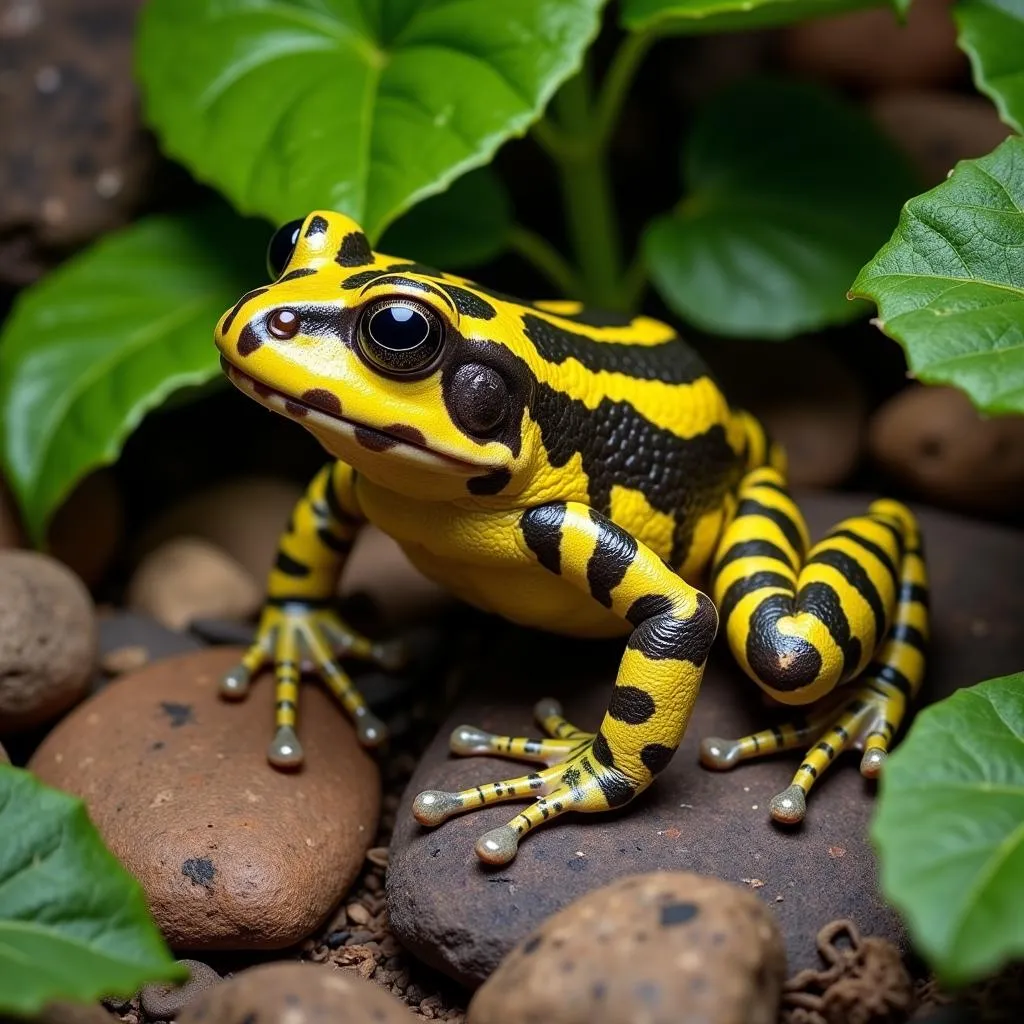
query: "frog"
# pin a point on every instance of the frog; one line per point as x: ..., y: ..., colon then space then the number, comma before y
x: 571, y: 470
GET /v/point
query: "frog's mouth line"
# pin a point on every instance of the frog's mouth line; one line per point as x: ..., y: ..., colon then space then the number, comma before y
x: 373, y: 439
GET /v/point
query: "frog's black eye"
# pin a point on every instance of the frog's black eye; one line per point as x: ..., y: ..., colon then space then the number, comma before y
x: 281, y: 247
x: 400, y: 336
x: 479, y: 399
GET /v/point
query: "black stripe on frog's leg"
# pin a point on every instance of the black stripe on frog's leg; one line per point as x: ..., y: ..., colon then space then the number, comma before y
x: 354, y: 250
x: 542, y: 531
x: 612, y: 556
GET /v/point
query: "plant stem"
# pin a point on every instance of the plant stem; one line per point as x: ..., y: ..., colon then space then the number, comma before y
x: 617, y: 81
x: 588, y: 198
x: 547, y: 259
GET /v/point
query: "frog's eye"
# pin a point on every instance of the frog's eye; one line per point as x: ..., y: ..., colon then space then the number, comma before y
x: 400, y: 336
x: 281, y: 247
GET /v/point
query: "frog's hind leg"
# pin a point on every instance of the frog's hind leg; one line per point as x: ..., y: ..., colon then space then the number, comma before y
x: 801, y: 625
x: 564, y: 739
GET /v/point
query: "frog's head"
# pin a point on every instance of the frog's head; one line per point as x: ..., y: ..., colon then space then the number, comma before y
x: 397, y: 370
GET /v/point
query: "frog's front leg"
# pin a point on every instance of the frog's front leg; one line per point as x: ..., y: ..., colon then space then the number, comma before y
x: 298, y: 621
x: 659, y: 676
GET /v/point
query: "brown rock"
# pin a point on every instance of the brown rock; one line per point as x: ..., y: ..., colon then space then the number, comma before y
x: 463, y: 918
x: 77, y: 160
x: 873, y: 49
x: 86, y: 530
x: 11, y: 535
x: 162, y: 1002
x: 938, y: 445
x: 232, y: 853
x: 188, y: 578
x: 807, y: 400
x: 665, y: 948
x: 937, y: 128
x: 47, y: 639
x: 295, y: 993
x: 4, y: 759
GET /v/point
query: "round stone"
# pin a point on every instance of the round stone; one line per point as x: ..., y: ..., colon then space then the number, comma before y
x: 48, y: 639
x: 232, y: 853
x: 295, y: 993
x: 666, y: 947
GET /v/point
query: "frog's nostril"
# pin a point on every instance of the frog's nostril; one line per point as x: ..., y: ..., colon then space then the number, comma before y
x: 283, y: 323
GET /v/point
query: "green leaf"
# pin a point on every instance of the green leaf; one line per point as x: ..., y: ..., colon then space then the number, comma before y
x: 74, y: 924
x: 791, y: 189
x: 992, y: 36
x: 362, y: 107
x: 950, y: 829
x: 106, y: 337
x: 949, y: 285
x: 701, y: 16
x: 465, y: 225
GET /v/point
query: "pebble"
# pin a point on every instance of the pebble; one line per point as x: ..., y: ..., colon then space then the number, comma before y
x: 872, y: 49
x: 48, y: 639
x: 936, y: 128
x: 664, y: 948
x: 295, y: 993
x: 86, y: 530
x: 162, y: 1002
x: 462, y: 918
x: 189, y: 578
x: 232, y: 853
x: 936, y: 443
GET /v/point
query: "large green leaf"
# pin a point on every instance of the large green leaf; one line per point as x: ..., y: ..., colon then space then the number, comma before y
x: 74, y: 924
x: 950, y: 829
x: 790, y: 190
x: 362, y: 106
x: 698, y: 16
x: 949, y: 285
x: 465, y: 225
x: 992, y: 35
x: 106, y: 337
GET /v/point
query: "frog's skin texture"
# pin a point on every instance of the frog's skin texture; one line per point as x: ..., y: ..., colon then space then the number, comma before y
x: 573, y: 471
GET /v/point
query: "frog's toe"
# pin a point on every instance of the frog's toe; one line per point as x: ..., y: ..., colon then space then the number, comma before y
x: 370, y: 730
x: 467, y: 740
x: 789, y: 806
x: 391, y: 655
x: 499, y: 846
x: 234, y: 684
x: 434, y: 806
x: 720, y: 754
x: 873, y: 761
x: 285, y: 750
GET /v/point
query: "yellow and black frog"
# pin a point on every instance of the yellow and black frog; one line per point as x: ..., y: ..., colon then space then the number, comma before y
x: 570, y: 470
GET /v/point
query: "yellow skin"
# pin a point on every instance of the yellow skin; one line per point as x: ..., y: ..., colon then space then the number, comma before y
x: 572, y: 471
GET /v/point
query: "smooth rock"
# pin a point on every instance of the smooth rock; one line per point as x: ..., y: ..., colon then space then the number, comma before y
x: 47, y: 639
x: 937, y: 444
x: 188, y: 578
x: 873, y: 49
x: 463, y: 918
x: 232, y: 853
x: 87, y: 528
x: 936, y: 128
x: 163, y: 1002
x: 295, y: 993
x: 67, y: 1013
x: 807, y: 399
x: 668, y: 947
x: 124, y: 629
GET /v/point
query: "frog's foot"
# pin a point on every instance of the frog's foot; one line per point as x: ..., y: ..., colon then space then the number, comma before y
x: 285, y: 636
x: 865, y: 718
x: 579, y: 777
x: 564, y: 739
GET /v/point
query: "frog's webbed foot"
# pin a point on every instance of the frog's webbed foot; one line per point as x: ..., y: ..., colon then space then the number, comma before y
x: 577, y: 778
x: 286, y: 636
x: 865, y: 717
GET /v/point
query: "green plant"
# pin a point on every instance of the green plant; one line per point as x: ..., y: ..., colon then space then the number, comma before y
x: 74, y: 924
